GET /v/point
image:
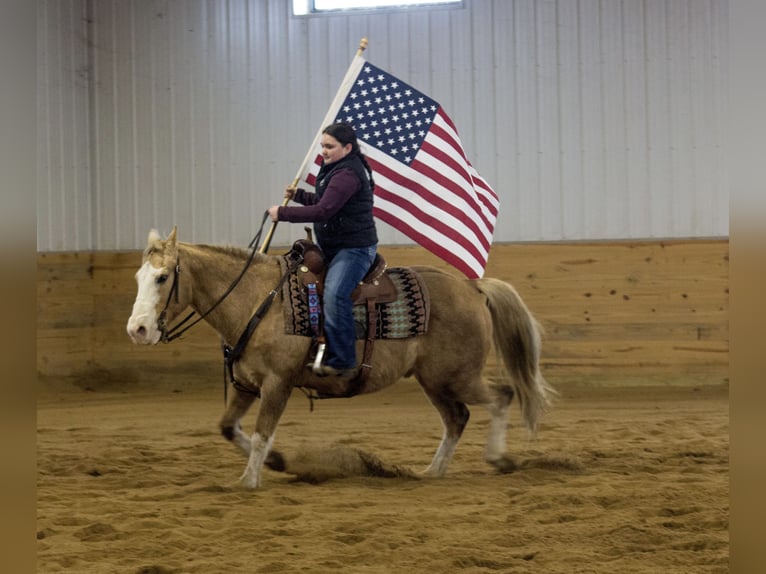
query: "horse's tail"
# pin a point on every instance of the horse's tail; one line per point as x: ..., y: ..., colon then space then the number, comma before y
x: 517, y: 336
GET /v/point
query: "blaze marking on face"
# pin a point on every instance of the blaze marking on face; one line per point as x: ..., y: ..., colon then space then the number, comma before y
x: 142, y: 325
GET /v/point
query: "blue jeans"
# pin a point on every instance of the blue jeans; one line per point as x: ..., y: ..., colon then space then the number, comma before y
x: 347, y: 267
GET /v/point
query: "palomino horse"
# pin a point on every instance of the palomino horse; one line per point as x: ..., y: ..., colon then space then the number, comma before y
x: 466, y: 318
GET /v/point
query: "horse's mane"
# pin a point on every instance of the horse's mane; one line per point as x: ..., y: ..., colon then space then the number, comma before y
x: 230, y: 251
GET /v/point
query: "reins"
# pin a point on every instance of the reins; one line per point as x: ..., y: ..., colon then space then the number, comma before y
x: 168, y: 335
x: 232, y: 354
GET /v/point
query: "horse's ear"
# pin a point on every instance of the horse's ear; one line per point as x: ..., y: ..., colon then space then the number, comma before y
x: 171, y: 240
x: 153, y: 237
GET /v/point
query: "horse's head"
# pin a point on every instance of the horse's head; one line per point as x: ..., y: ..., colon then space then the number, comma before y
x: 158, y: 299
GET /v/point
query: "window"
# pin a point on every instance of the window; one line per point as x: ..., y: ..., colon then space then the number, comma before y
x: 302, y: 7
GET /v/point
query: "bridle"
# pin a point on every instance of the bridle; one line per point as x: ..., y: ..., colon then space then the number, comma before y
x: 170, y: 334
x: 230, y: 354
x: 162, y: 319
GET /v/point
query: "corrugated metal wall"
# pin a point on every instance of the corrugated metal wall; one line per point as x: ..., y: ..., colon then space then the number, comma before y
x: 593, y: 119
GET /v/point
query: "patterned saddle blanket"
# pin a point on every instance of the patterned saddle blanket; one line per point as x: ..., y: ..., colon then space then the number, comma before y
x: 405, y: 317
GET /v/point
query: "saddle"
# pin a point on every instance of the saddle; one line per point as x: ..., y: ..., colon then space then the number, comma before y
x: 375, y: 288
x: 375, y: 285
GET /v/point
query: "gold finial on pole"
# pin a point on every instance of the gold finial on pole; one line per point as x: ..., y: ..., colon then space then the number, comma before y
x: 362, y: 46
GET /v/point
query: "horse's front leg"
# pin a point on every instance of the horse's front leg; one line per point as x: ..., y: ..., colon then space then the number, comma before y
x: 239, y: 403
x: 274, y: 395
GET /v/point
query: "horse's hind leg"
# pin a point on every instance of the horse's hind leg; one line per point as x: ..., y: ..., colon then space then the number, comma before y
x: 454, y: 416
x: 498, y: 410
x: 230, y: 425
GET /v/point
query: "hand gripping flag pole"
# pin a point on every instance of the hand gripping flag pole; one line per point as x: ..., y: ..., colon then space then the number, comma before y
x: 348, y: 79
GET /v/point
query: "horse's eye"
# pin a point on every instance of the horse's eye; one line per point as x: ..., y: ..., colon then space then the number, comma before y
x: 161, y: 279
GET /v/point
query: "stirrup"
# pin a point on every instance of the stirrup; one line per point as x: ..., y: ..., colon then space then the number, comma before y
x: 317, y: 366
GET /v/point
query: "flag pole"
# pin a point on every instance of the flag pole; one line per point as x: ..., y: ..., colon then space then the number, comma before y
x: 329, y: 117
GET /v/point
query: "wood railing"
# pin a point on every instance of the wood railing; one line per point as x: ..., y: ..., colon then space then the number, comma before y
x: 614, y: 313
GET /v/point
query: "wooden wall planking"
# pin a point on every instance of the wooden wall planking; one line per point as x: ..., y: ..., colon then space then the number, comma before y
x: 614, y: 313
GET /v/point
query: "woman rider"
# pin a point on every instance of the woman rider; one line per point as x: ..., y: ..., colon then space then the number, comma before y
x: 341, y: 210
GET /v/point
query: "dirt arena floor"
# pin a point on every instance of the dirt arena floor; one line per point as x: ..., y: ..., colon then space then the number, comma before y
x: 617, y: 481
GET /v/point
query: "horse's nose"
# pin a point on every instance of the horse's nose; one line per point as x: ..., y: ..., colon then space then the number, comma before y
x: 133, y: 332
x: 137, y: 332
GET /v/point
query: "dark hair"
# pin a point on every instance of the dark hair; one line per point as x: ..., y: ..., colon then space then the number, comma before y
x: 345, y: 134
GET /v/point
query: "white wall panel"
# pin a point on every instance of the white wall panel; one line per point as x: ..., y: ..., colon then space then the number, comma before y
x: 571, y: 185
x: 636, y: 190
x: 525, y: 120
x: 614, y: 166
x: 593, y: 119
x: 548, y: 204
x: 658, y: 88
x: 502, y: 123
x: 63, y: 167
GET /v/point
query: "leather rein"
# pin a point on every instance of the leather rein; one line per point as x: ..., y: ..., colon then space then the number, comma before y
x: 230, y: 354
x: 168, y: 335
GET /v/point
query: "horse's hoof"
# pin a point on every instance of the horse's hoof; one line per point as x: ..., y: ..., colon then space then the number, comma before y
x: 504, y: 465
x: 249, y: 482
x: 430, y: 473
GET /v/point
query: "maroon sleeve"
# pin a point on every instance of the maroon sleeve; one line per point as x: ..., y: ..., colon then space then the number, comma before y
x: 304, y: 197
x: 343, y: 185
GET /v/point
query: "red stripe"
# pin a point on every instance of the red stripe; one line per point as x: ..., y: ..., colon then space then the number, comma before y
x: 426, y: 242
x: 449, y: 160
x: 390, y: 172
x: 447, y: 119
x: 432, y: 222
x: 447, y: 183
x: 478, y: 182
x: 442, y: 134
x: 430, y: 197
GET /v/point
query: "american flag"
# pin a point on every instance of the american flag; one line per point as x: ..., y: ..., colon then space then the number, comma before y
x: 425, y: 186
